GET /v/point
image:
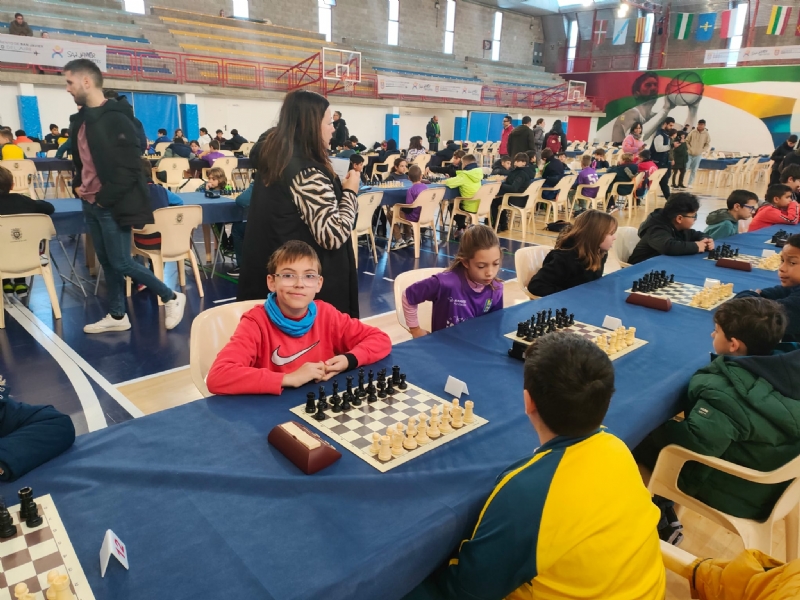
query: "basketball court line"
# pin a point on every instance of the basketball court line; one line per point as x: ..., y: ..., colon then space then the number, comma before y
x: 151, y: 376
x: 76, y: 358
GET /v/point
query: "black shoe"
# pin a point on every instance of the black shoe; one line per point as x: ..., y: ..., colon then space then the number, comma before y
x: 234, y: 272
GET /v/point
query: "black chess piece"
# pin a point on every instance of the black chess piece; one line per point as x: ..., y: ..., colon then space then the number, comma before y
x: 320, y: 414
x: 571, y: 319
x: 322, y: 399
x: 390, y: 391
x: 335, y: 398
x: 382, y: 388
x: 346, y: 402
x: 635, y: 286
x: 7, y: 527
x: 311, y: 405
x: 530, y: 334
x: 33, y: 519
x: 372, y: 397
x: 362, y: 392
x: 24, y: 495
x: 349, y: 391
x: 336, y: 401
x: 736, y: 253
x: 370, y: 382
x: 396, y: 374
x: 672, y: 278
x: 402, y: 385
x: 549, y: 314
x: 521, y: 329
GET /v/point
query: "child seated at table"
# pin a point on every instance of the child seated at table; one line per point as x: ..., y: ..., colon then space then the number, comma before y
x: 469, y: 288
x: 586, y: 176
x: 18, y: 204
x: 451, y: 169
x: 29, y: 435
x: 668, y: 230
x: 724, y: 222
x: 517, y: 181
x: 787, y: 293
x: 212, y: 153
x: 399, y: 170
x: 502, y: 166
x: 533, y: 163
x: 215, y: 180
x: 791, y: 176
x: 647, y: 166
x: 599, y: 159
x: 402, y: 235
x: 741, y: 408
x: 552, y: 172
x: 468, y: 181
x: 357, y: 165
x: 8, y: 149
x: 625, y: 171
x: 293, y: 339
x: 779, y: 208
x: 572, y: 521
x: 579, y: 255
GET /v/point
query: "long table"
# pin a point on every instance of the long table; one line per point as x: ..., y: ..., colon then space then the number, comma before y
x: 208, y: 509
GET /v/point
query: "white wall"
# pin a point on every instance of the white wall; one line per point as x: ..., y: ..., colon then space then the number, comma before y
x: 9, y: 112
x: 414, y: 120
x: 55, y: 106
x: 367, y: 123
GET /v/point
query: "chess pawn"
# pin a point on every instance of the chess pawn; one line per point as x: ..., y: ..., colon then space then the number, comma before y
x: 20, y: 590
x: 433, y: 428
x: 422, y: 432
x: 458, y: 421
x: 435, y: 411
x: 390, y: 431
x: 410, y: 443
x: 469, y: 417
x: 397, y: 444
x: 375, y: 447
x: 444, y: 426
x: 385, y: 452
x: 456, y: 404
x: 400, y: 428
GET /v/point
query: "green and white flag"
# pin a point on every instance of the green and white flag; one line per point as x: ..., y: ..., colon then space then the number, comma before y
x: 683, y: 25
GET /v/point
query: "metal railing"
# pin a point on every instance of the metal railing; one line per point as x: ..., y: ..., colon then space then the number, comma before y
x: 180, y: 68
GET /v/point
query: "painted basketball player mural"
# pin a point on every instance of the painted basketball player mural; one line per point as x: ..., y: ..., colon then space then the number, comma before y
x: 747, y: 109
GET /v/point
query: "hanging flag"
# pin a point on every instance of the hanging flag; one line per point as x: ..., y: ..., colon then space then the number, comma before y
x: 705, y: 26
x: 726, y: 24
x: 778, y: 20
x: 641, y: 29
x: 683, y: 25
x: 797, y: 29
x: 600, y: 31
x: 620, y: 32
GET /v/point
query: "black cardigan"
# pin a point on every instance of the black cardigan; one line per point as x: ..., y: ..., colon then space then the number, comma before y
x: 561, y: 270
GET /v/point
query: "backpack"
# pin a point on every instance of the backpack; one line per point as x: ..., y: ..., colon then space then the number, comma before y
x: 553, y: 141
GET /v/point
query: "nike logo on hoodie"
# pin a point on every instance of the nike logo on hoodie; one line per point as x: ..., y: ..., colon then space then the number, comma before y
x: 280, y: 361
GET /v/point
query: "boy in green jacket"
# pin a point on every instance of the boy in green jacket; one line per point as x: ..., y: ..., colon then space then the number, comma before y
x: 722, y: 223
x: 468, y: 181
x: 744, y: 407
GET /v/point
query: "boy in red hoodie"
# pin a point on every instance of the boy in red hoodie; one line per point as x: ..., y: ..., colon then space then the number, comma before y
x: 778, y: 209
x: 293, y: 339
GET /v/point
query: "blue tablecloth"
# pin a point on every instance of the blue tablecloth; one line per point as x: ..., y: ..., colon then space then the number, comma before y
x: 198, y: 490
x: 720, y: 164
x: 398, y: 195
x: 53, y: 164
x: 68, y: 216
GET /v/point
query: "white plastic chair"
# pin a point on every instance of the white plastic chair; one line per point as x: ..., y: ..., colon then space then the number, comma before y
x: 427, y: 201
x: 754, y: 534
x: 227, y: 164
x: 30, y: 148
x: 422, y: 160
x: 627, y: 238
x: 527, y: 262
x: 561, y: 200
x: 246, y: 148
x: 386, y: 167
x: 161, y: 147
x: 601, y: 186
x: 524, y: 212
x: 175, y: 224
x: 211, y: 330
x: 20, y: 237
x: 367, y: 205
x: 653, y: 190
x: 25, y: 176
x: 175, y: 169
x: 485, y: 195
x: 424, y: 310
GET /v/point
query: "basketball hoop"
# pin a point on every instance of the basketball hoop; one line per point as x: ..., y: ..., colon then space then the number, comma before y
x: 348, y: 84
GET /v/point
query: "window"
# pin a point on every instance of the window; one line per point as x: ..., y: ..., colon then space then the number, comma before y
x: 740, y: 14
x: 449, y: 26
x: 241, y: 9
x: 573, y: 44
x: 135, y: 6
x: 325, y: 17
x: 394, y: 22
x: 644, y: 51
x: 498, y: 28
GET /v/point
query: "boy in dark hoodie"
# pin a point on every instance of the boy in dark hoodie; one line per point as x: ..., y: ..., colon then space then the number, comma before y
x: 722, y: 223
x: 777, y: 158
x: 502, y: 166
x: 552, y: 172
x: 744, y: 407
x: 533, y: 163
x: 517, y: 181
x: 788, y: 292
x: 791, y: 176
x: 669, y: 231
x: 449, y: 170
x: 445, y: 154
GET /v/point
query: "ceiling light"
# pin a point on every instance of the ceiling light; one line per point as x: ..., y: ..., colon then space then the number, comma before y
x: 587, y: 2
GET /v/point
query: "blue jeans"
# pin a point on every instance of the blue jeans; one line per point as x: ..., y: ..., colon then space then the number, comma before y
x: 692, y: 166
x: 113, y: 246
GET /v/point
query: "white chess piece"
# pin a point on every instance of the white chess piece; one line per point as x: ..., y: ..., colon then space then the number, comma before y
x: 385, y: 453
x: 409, y: 443
x: 51, y: 578
x: 456, y: 403
x: 390, y: 431
x: 375, y: 447
x: 61, y: 584
x: 433, y: 429
x: 458, y: 421
x: 397, y: 444
x: 444, y: 426
x: 422, y: 432
x: 20, y: 590
x: 400, y: 428
x: 468, y: 414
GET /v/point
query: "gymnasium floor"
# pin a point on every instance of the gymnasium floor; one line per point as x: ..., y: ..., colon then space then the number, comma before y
x: 105, y: 379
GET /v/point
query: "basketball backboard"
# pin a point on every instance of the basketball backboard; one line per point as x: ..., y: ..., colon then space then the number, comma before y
x: 341, y: 65
x: 576, y: 91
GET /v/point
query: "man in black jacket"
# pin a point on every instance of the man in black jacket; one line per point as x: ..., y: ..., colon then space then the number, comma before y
x: 522, y: 138
x: 659, y: 152
x: 114, y: 95
x: 340, y: 133
x: 778, y: 156
x: 109, y: 180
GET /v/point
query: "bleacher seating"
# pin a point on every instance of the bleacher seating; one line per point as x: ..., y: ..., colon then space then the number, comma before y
x: 511, y: 74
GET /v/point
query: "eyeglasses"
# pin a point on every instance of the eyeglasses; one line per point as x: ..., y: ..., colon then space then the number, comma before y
x: 692, y: 217
x: 307, y: 279
x: 751, y: 208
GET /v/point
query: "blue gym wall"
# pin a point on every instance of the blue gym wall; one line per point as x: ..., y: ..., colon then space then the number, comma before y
x: 155, y: 111
x: 485, y: 126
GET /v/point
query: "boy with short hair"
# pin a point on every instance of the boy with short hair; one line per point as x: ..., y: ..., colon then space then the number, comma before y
x: 625, y: 171
x: 468, y: 181
x: 737, y: 409
x: 669, y: 230
x: 722, y: 223
x: 293, y: 339
x: 533, y: 163
x: 791, y: 176
x: 451, y: 169
x: 163, y: 137
x: 779, y: 208
x: 52, y: 137
x: 599, y: 159
x: 502, y: 166
x: 588, y: 177
x: 516, y: 182
x: 552, y: 172
x: 572, y: 521
x: 8, y: 149
x: 402, y: 234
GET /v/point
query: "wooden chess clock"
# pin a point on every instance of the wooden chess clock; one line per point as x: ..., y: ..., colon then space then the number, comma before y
x: 308, y: 451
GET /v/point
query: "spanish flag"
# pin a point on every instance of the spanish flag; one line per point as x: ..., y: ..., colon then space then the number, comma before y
x: 641, y: 29
x: 778, y: 20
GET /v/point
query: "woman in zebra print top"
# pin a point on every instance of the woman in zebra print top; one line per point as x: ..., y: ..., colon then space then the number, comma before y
x: 297, y: 196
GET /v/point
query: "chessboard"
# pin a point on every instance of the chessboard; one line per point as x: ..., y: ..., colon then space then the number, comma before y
x: 33, y: 553
x: 354, y: 428
x: 766, y: 263
x: 563, y: 322
x: 684, y: 293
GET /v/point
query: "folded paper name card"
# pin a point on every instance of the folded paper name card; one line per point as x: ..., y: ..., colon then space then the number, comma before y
x: 308, y: 451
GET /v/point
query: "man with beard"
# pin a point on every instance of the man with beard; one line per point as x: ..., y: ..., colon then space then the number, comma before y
x: 109, y: 181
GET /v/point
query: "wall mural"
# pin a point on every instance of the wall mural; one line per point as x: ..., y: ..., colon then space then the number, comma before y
x: 751, y: 109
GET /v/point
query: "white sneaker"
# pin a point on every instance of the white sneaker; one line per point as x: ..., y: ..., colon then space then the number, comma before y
x: 108, y: 323
x: 174, y: 310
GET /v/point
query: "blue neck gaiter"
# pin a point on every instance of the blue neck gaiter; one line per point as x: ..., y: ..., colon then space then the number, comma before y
x: 284, y: 323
